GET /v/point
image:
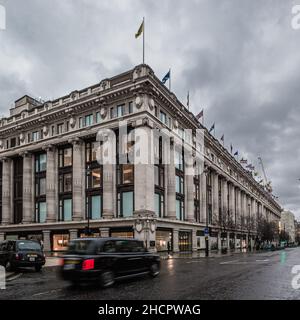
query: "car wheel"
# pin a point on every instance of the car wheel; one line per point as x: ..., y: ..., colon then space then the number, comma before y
x: 107, y: 279
x: 8, y: 266
x: 38, y: 268
x: 154, y: 270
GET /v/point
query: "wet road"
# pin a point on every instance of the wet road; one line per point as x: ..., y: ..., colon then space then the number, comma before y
x: 239, y: 276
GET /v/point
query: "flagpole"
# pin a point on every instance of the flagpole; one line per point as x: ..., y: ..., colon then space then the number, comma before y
x: 170, y: 80
x: 144, y: 40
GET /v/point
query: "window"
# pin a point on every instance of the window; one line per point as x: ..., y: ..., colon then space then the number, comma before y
x: 98, y: 117
x: 88, y: 120
x: 179, y: 160
x: 65, y: 210
x: 94, y: 207
x: 125, y: 204
x: 179, y: 209
x: 163, y: 117
x: 130, y: 107
x: 65, y: 182
x: 40, y: 212
x: 93, y: 182
x: 159, y: 204
x: 121, y: 110
x: 65, y: 157
x: 179, y: 184
x: 127, y: 176
x: 40, y: 162
x: 60, y: 128
x: 81, y: 122
x: 35, y: 136
x: 13, y: 142
x: 40, y: 187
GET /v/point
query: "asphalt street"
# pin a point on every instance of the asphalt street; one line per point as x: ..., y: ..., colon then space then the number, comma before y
x: 265, y: 275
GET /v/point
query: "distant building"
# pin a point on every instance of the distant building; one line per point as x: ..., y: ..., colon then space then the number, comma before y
x: 287, y: 224
x: 297, y: 231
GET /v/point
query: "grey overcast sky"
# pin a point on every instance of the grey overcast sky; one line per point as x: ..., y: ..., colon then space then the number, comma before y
x: 239, y: 59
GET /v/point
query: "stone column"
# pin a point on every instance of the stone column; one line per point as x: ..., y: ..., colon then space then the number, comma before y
x: 73, y: 234
x: 228, y: 240
x: 47, y: 240
x: 235, y: 241
x: 108, y: 191
x: 194, y: 240
x: 144, y: 173
x: 189, y: 182
x: 52, y: 184
x: 175, y: 240
x: 7, y: 191
x: 78, y: 179
x: 232, y: 202
x: 104, y: 232
x: 203, y: 208
x: 171, y: 195
x: 219, y: 240
x: 225, y: 197
x: 2, y: 236
x: 215, y: 194
x: 28, y: 188
x: 239, y: 206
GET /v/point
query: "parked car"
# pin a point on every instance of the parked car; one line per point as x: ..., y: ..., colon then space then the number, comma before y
x: 21, y: 253
x: 105, y: 260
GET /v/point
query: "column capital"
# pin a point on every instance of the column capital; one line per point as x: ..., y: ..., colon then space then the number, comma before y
x: 25, y: 154
x: 49, y: 147
x: 75, y: 141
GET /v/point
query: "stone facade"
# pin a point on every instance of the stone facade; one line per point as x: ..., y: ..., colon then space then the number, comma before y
x: 287, y: 223
x: 69, y: 191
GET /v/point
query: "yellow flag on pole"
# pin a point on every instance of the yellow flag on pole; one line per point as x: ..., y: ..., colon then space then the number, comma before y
x: 140, y: 31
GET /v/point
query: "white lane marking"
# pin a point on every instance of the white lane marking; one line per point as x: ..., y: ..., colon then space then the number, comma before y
x: 229, y: 262
x: 46, y: 292
x: 265, y: 260
x: 11, y: 278
x: 194, y: 261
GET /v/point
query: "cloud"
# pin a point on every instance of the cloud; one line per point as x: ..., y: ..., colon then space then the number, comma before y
x: 239, y: 60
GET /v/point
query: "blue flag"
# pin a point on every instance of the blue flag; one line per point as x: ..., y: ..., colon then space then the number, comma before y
x: 236, y: 153
x: 212, y: 128
x: 166, y: 77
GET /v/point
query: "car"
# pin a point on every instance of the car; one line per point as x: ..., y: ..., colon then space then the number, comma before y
x: 102, y: 261
x: 16, y: 254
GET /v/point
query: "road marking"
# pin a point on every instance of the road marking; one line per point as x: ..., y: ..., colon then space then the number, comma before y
x: 194, y: 261
x: 12, y: 277
x: 228, y: 262
x: 46, y: 292
x: 265, y: 260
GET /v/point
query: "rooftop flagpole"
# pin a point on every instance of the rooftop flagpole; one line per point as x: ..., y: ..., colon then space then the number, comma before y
x: 143, y: 40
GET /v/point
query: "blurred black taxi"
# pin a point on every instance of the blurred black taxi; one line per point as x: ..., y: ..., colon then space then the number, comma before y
x: 105, y: 260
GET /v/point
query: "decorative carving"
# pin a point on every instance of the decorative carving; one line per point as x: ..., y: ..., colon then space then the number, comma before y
x: 151, y: 104
x: 45, y: 130
x: 103, y: 112
x: 22, y: 137
x: 72, y: 122
x: 138, y: 102
x: 74, y: 95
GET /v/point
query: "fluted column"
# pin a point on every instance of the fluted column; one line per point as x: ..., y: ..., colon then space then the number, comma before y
x: 171, y: 196
x: 215, y: 195
x: 189, y: 180
x: 232, y: 202
x: 108, y: 190
x: 78, y: 180
x: 7, y: 191
x: 51, y: 184
x: 144, y: 174
x: 203, y: 194
x: 28, y: 188
x: 225, y: 197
